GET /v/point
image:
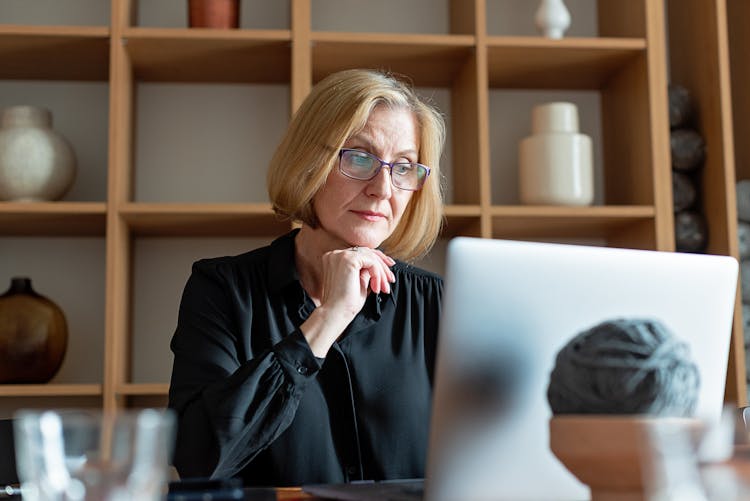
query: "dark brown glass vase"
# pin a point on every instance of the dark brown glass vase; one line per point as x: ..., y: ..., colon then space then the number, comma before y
x: 33, y: 335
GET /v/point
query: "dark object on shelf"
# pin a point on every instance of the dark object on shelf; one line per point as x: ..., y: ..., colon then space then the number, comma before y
x: 220, y: 14
x: 691, y: 232
x: 680, y: 106
x: 33, y: 335
x: 684, y: 192
x: 688, y: 149
x: 624, y: 366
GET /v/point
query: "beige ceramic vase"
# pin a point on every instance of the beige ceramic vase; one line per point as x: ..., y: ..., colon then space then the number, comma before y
x: 36, y: 163
x: 555, y: 161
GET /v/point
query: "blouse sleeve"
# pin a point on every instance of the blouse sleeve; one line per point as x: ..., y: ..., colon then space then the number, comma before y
x: 228, y: 410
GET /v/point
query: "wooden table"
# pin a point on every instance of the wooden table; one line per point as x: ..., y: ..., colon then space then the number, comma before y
x: 292, y: 494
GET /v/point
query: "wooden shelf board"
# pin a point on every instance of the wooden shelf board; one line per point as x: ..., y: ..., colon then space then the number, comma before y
x: 571, y: 63
x: 50, y: 390
x: 566, y: 222
x: 199, y: 220
x: 143, y: 389
x: 53, y: 218
x: 461, y: 220
x: 429, y: 60
x: 211, y: 56
x: 54, y: 53
x: 460, y: 210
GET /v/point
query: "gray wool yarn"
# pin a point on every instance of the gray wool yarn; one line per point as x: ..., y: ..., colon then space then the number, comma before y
x: 624, y: 366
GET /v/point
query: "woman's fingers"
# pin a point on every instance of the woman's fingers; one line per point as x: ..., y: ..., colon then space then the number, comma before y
x: 348, y: 277
x: 378, y: 264
x: 388, y: 259
x: 364, y: 278
x: 352, y: 272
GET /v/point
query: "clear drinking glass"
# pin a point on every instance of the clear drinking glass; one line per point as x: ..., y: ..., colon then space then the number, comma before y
x: 76, y: 455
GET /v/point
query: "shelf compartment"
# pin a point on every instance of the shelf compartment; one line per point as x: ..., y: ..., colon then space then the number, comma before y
x: 50, y: 390
x: 210, y: 56
x: 199, y: 220
x: 142, y: 395
x: 571, y: 63
x: 429, y: 60
x: 461, y: 220
x: 54, y: 53
x: 567, y: 222
x: 53, y: 218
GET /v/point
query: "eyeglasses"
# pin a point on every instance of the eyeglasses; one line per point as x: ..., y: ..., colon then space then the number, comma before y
x: 358, y: 164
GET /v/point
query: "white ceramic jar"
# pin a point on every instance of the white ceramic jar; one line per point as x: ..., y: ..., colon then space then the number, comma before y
x: 555, y: 162
x: 36, y: 163
x: 552, y: 18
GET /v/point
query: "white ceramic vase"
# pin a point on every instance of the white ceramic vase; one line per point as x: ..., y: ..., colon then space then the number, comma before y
x: 555, y: 162
x: 36, y: 163
x: 552, y: 18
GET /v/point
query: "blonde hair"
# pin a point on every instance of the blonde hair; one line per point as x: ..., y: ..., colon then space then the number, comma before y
x: 337, y: 108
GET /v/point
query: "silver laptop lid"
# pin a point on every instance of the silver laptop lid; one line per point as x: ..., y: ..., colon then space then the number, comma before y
x: 508, y: 308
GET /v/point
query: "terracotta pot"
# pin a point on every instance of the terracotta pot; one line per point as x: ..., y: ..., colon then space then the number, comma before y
x: 214, y: 13
x: 33, y: 335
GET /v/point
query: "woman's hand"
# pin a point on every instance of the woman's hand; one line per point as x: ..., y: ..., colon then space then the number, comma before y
x: 348, y: 276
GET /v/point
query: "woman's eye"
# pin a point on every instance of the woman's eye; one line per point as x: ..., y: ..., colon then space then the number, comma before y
x: 402, y: 169
x: 361, y: 161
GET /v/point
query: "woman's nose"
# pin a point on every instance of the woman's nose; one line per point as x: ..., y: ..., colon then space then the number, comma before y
x: 380, y: 186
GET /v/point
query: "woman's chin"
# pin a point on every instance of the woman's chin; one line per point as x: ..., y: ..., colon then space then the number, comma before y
x: 365, y: 241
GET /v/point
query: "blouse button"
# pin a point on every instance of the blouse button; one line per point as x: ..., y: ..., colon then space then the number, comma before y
x: 303, y: 370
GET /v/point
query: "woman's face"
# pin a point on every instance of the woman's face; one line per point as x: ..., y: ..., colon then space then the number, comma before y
x: 365, y: 213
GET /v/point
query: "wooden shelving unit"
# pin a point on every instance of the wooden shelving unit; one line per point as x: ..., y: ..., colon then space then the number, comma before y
x: 625, y: 64
x: 699, y: 35
x: 736, y: 15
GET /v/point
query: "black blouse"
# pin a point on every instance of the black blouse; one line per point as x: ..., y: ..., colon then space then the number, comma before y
x: 252, y: 399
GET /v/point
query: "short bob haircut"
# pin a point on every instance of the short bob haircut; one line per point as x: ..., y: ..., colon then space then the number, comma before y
x: 337, y: 108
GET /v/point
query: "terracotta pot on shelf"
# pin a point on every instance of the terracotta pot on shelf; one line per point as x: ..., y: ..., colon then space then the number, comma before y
x: 220, y: 14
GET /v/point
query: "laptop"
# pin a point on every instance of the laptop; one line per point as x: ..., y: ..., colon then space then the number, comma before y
x: 508, y: 308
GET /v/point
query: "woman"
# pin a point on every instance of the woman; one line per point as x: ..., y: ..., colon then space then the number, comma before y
x: 310, y: 360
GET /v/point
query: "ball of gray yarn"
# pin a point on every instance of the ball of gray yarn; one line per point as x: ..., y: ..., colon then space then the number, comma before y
x: 743, y: 200
x: 690, y: 231
x: 743, y: 239
x: 746, y: 325
x: 745, y: 280
x: 624, y: 366
x: 688, y: 149
x: 684, y: 192
x: 680, y: 105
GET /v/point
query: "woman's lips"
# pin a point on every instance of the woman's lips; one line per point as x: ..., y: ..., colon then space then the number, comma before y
x: 369, y: 215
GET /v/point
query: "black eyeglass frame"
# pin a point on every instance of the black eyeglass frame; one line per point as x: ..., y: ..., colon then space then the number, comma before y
x: 380, y: 167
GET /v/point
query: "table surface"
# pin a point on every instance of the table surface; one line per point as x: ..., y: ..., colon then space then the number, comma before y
x: 740, y: 463
x: 291, y: 494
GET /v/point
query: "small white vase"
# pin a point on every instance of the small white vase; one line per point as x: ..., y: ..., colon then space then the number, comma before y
x: 36, y: 163
x: 552, y: 18
x: 555, y: 162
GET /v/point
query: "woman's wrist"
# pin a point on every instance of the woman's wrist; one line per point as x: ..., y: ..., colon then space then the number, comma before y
x: 322, y: 328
